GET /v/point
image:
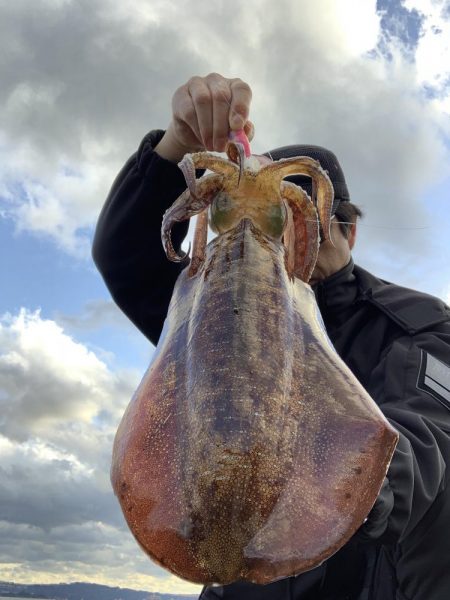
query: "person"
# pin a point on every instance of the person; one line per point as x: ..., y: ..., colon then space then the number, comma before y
x: 396, y: 341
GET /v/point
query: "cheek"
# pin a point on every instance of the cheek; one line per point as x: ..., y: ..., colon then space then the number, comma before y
x: 332, y: 258
x: 327, y: 254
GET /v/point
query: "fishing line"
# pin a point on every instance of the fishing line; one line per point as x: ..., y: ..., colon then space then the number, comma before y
x: 360, y: 224
x: 393, y: 227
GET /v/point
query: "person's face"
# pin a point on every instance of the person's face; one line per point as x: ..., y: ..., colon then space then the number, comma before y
x: 333, y: 258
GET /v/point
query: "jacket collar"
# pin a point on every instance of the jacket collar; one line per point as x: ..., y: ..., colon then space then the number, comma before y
x: 413, y: 311
x: 338, y: 291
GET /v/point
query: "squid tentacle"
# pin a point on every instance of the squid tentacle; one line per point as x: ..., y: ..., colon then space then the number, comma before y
x: 304, y: 228
x: 322, y: 186
x: 185, y: 207
x: 289, y: 241
x: 205, y: 160
x: 187, y: 167
x: 200, y: 239
x: 236, y: 153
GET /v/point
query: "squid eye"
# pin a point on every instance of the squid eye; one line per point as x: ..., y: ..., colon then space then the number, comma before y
x: 222, y: 213
x: 275, y: 221
x: 222, y: 202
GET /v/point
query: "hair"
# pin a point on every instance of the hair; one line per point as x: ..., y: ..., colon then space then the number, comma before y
x: 346, y: 214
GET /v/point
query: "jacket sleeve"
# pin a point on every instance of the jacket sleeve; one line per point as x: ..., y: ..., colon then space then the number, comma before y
x: 417, y: 473
x: 127, y: 248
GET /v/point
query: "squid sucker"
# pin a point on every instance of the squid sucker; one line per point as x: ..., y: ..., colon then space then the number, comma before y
x: 249, y: 451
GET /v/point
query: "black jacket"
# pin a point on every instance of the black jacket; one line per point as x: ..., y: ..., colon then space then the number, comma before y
x: 397, y: 343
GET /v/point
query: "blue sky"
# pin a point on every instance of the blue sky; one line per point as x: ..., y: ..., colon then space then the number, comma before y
x: 82, y: 83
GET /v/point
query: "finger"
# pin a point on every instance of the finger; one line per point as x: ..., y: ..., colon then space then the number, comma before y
x: 241, y: 97
x: 221, y: 100
x: 185, y: 117
x: 202, y: 102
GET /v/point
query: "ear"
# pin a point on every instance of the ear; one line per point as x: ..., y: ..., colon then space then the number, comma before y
x: 352, y: 236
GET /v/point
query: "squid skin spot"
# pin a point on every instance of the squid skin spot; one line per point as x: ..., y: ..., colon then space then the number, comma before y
x: 209, y: 267
x: 358, y: 470
x: 227, y: 261
x: 236, y: 310
x: 348, y: 495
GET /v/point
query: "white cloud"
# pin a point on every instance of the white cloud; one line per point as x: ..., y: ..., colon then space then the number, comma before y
x: 92, y: 551
x: 58, y: 401
x: 82, y: 82
x: 81, y: 90
x: 346, y: 41
x: 55, y: 198
x: 50, y: 377
x: 433, y: 50
x: 60, y: 406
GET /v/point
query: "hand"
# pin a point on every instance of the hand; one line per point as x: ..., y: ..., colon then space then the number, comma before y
x: 204, y: 110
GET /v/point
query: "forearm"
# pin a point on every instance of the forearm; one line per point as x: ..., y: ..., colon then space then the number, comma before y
x: 127, y: 246
x: 170, y: 148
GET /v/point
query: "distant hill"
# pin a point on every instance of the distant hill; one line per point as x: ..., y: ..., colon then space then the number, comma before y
x: 82, y: 591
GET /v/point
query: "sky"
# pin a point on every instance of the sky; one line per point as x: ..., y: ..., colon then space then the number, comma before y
x: 81, y: 83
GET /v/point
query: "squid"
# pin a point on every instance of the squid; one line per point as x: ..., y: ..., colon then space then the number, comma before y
x: 249, y: 450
